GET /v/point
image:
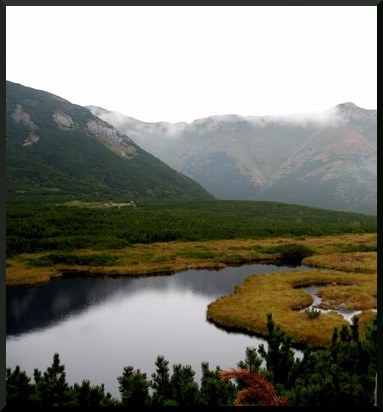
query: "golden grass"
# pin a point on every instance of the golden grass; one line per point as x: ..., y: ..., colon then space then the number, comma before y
x: 354, y: 274
x: 352, y: 261
x: 19, y: 274
x: 360, y: 296
x: 176, y: 256
x: 278, y: 293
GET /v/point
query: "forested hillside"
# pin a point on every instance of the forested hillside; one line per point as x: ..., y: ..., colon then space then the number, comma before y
x: 57, y: 150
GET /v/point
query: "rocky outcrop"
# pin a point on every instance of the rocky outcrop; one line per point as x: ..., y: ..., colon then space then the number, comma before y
x: 63, y: 120
x: 109, y: 135
x: 21, y: 116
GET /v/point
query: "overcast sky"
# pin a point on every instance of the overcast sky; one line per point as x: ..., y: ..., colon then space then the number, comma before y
x: 180, y: 63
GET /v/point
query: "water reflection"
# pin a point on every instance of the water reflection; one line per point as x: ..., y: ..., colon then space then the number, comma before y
x: 100, y: 325
x: 44, y: 305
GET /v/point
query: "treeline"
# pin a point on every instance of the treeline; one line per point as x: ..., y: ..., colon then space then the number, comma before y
x: 341, y: 375
x: 39, y: 227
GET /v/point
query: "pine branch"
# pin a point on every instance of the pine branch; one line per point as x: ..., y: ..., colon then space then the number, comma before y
x: 259, y: 391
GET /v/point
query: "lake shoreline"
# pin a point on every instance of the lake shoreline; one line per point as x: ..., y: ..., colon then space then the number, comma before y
x: 171, y: 257
x: 347, y: 261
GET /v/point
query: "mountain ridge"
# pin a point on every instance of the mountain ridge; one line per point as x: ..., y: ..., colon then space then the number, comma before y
x: 252, y: 157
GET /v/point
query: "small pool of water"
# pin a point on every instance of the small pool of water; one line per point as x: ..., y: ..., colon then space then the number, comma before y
x: 347, y: 314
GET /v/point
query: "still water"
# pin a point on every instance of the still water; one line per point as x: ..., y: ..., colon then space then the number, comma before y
x: 100, y: 325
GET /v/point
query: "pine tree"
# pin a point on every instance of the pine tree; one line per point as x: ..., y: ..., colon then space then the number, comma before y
x: 134, y: 388
x: 252, y: 361
x: 18, y: 388
x: 279, y: 356
x: 89, y: 395
x: 51, y: 388
x: 161, y: 382
x: 214, y: 391
x: 341, y: 375
x: 185, y: 391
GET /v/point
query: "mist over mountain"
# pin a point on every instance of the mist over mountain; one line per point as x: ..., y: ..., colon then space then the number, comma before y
x: 56, y: 149
x: 326, y: 160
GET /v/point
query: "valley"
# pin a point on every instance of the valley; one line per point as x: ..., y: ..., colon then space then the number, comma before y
x: 219, y: 240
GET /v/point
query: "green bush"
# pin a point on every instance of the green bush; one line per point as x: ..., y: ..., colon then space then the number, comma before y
x: 312, y: 313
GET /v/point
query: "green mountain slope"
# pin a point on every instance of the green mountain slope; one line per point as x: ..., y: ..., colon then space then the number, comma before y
x: 58, y: 150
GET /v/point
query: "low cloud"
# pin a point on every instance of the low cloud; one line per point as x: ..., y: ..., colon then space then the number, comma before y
x: 327, y: 118
x: 174, y: 130
x: 162, y: 130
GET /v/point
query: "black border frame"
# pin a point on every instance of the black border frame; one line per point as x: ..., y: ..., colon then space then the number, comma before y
x: 8, y: 3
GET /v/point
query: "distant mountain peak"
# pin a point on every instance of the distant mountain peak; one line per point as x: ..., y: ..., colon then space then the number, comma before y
x: 348, y: 106
x: 350, y: 110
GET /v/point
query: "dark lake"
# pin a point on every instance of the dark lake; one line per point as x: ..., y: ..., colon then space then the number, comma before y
x: 100, y: 325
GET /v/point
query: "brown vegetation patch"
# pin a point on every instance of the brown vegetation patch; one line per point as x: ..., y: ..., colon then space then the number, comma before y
x: 280, y: 294
x: 352, y: 261
x: 360, y: 296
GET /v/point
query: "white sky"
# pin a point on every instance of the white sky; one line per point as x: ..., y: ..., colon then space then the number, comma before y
x: 179, y: 63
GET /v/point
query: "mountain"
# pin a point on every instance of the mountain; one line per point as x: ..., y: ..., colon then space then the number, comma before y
x: 326, y: 160
x: 58, y: 150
